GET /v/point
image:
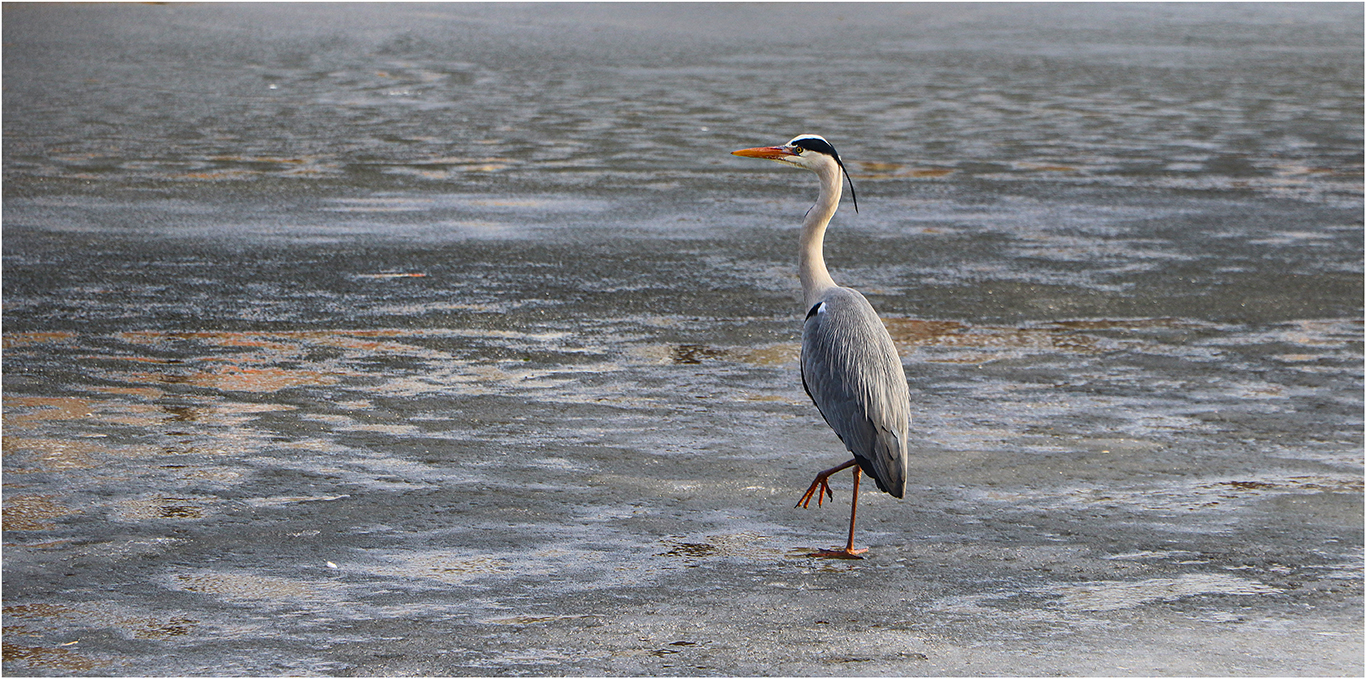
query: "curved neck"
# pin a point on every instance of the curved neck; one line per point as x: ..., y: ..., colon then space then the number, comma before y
x: 811, y: 265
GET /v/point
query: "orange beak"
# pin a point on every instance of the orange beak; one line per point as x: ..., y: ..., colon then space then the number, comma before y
x: 765, y: 152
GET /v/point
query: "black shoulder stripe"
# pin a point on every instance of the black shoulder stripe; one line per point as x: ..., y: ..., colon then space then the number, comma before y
x: 814, y: 309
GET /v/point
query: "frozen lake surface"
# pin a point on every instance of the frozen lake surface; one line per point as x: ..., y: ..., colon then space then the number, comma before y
x: 450, y: 339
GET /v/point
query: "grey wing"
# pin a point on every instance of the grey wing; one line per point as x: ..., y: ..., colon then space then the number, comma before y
x: 851, y: 370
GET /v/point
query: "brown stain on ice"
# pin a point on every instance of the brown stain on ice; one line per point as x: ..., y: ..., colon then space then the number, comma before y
x: 28, y: 412
x: 46, y: 408
x: 1294, y: 484
x: 33, y: 512
x: 1127, y: 324
x: 243, y: 587
x: 243, y: 379
x: 771, y: 355
x: 33, y: 611
x: 51, y: 658
x: 252, y: 363
x: 144, y: 393
x: 978, y: 343
x: 21, y: 339
x: 745, y: 544
x: 158, y: 508
x: 39, y: 619
x: 59, y: 455
x: 51, y: 454
x: 881, y: 170
x: 983, y: 343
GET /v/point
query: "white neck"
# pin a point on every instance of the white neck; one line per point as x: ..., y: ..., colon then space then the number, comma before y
x: 811, y: 265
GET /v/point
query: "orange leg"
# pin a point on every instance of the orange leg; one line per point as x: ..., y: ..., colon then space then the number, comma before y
x: 820, y: 488
x: 853, y: 514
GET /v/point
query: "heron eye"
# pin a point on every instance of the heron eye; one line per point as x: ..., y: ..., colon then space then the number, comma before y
x: 797, y: 149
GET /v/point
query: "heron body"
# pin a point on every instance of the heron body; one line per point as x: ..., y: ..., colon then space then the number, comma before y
x: 850, y: 368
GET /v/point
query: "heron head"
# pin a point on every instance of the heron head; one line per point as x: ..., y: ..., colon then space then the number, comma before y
x: 809, y: 151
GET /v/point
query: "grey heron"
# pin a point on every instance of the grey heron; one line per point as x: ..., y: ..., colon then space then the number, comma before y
x: 850, y: 368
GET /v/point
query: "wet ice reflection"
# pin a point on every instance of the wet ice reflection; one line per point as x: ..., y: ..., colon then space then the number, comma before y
x: 455, y: 346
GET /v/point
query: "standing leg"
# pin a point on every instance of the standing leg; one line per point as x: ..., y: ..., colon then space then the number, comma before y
x: 853, y: 510
x: 848, y: 552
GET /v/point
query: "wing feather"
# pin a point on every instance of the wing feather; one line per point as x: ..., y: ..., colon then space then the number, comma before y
x: 852, y: 371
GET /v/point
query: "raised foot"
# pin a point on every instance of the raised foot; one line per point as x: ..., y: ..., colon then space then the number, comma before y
x: 838, y: 553
x: 819, y: 489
